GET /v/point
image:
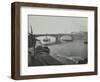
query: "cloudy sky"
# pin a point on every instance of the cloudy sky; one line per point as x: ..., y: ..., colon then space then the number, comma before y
x: 56, y: 24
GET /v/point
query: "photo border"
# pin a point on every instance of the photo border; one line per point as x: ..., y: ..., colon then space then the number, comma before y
x: 15, y: 39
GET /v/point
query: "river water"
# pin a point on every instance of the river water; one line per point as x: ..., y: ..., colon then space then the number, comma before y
x: 74, y: 50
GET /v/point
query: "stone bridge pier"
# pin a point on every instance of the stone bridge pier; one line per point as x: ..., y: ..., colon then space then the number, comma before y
x: 58, y: 38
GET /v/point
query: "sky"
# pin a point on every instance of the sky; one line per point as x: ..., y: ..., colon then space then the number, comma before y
x: 56, y: 24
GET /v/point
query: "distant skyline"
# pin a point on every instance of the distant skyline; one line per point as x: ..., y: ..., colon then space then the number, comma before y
x: 56, y: 24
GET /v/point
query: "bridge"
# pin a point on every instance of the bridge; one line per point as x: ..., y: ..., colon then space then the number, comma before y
x: 57, y: 36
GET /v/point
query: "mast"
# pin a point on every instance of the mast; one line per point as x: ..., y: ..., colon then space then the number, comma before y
x: 31, y: 30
